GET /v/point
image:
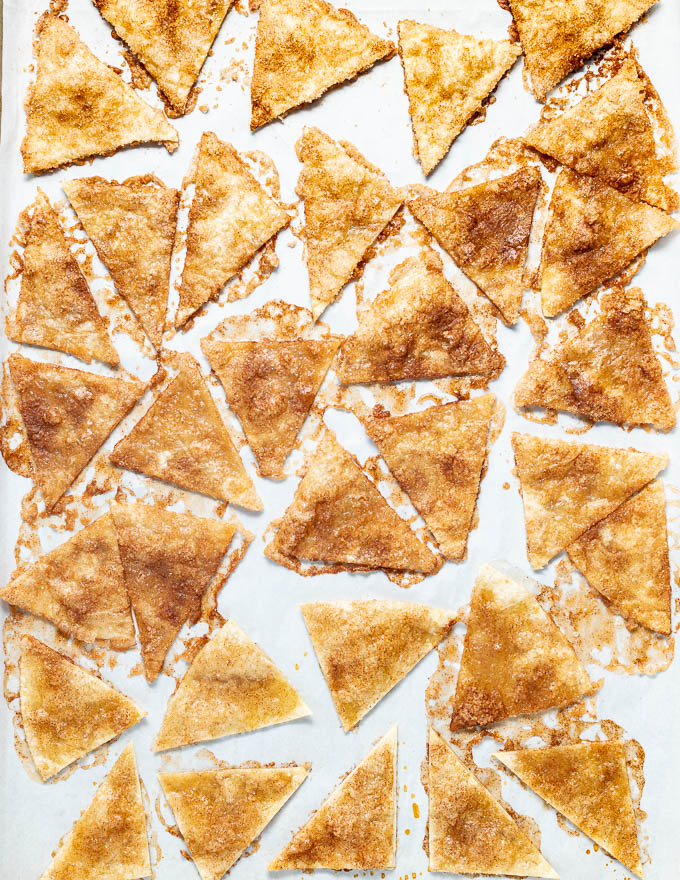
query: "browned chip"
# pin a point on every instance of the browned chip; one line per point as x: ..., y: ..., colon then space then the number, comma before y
x: 515, y: 660
x: 356, y: 826
x: 132, y: 226
x: 79, y: 106
x: 486, y: 230
x: 593, y: 233
x: 302, y: 49
x: 168, y: 559
x: 588, y: 783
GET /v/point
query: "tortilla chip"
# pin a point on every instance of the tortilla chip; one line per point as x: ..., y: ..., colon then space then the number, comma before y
x: 437, y: 456
x: 108, y: 840
x: 558, y: 37
x: 183, y: 440
x: 593, y: 233
x: 231, y: 687
x: 338, y: 516
x: 486, y: 229
x: 469, y: 832
x: 348, y: 203
x: 221, y: 812
x: 132, y: 226
x: 168, y: 560
x: 609, y: 136
x: 515, y: 659
x: 356, y: 826
x: 230, y: 219
x: 271, y: 386
x: 68, y: 414
x: 79, y: 107
x: 56, y: 308
x: 447, y: 76
x: 625, y: 557
x: 66, y: 710
x: 171, y: 39
x: 419, y: 328
x: 568, y: 487
x: 302, y: 49
x: 587, y: 782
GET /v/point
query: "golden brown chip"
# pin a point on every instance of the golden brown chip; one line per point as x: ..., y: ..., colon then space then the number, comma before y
x: 568, y: 487
x: 437, y: 456
x: 608, y: 371
x: 558, y: 37
x: 132, y: 226
x: 183, y: 440
x: 593, y: 233
x: 588, y: 783
x: 419, y: 328
x: 625, y: 557
x: 447, y: 76
x: 348, y: 203
x: 515, y: 660
x: 339, y: 516
x: 56, y: 308
x: 66, y: 710
x: 365, y: 648
x: 171, y: 39
x: 221, y: 812
x: 68, y: 414
x: 486, y: 230
x: 469, y: 832
x: 168, y: 560
x: 356, y: 826
x: 79, y: 107
x: 230, y: 219
x: 108, y: 840
x: 302, y: 49
x: 231, y: 687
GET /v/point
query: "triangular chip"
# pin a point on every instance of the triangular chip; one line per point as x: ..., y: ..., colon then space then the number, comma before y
x: 132, y: 226
x: 271, y: 386
x: 469, y: 832
x: 55, y: 308
x: 365, y: 648
x: 625, y: 557
x: 485, y: 229
x: 231, y: 687
x: 608, y: 371
x: 419, y: 328
x: 568, y: 487
x: 66, y: 710
x: 515, y: 659
x: 302, y: 49
x: 608, y: 135
x: 348, y: 203
x: 79, y: 107
x: 437, y: 456
x: 108, y: 840
x: 558, y: 37
x: 221, y: 812
x: 68, y: 414
x: 183, y: 440
x: 339, y: 516
x: 448, y: 76
x: 593, y: 233
x: 588, y: 783
x: 356, y: 826
x: 231, y: 217
x: 168, y: 559
x: 171, y: 39
x: 79, y: 587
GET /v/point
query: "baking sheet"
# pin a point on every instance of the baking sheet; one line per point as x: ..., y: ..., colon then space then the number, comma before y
x: 262, y: 597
